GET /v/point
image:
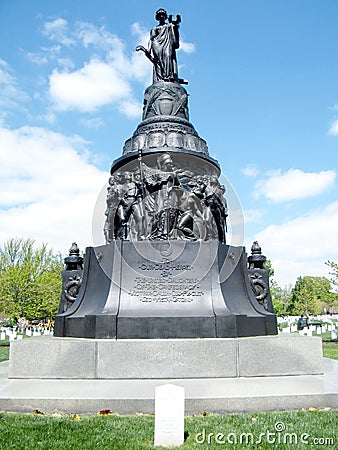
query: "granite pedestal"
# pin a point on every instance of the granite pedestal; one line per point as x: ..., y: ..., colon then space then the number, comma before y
x: 99, y: 359
x: 165, y: 290
x: 84, y: 376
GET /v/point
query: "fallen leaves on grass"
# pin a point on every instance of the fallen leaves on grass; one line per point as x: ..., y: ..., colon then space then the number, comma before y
x: 36, y: 411
x: 104, y: 412
x: 76, y: 417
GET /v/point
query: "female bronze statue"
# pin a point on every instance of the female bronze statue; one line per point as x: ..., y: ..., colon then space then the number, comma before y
x: 164, y: 40
x: 163, y: 43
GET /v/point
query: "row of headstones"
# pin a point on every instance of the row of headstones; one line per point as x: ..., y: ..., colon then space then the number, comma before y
x: 309, y: 331
x: 329, y: 326
x: 13, y: 335
x: 329, y: 319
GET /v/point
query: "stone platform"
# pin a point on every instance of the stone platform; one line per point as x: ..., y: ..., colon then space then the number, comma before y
x: 104, y: 359
x: 71, y: 375
x: 214, y: 395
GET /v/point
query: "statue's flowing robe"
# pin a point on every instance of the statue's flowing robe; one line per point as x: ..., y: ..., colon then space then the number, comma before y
x: 164, y: 41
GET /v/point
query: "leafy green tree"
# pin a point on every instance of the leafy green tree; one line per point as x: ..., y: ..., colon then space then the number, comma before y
x: 333, y: 305
x: 309, y: 295
x: 334, y: 267
x: 30, y: 280
x: 280, y: 296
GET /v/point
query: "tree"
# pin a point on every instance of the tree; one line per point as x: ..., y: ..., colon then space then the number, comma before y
x: 280, y: 296
x: 333, y: 305
x: 334, y: 267
x: 30, y: 280
x: 309, y: 295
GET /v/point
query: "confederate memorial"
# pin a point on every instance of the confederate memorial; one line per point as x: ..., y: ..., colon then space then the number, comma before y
x: 167, y: 297
x: 158, y: 276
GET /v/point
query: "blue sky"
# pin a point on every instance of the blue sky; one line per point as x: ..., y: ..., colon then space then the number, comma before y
x: 263, y: 85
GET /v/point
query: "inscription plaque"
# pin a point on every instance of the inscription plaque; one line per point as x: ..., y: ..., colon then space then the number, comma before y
x: 160, y: 284
x: 166, y: 290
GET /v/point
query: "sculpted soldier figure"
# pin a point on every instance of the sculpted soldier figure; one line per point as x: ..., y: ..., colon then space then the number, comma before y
x: 191, y: 215
x: 129, y: 206
x: 112, y: 204
x: 214, y: 200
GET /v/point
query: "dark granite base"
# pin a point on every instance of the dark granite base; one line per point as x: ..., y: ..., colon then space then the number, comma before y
x: 159, y: 290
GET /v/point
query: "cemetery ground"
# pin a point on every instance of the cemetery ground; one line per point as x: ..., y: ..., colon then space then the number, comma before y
x: 306, y: 428
x: 285, y: 430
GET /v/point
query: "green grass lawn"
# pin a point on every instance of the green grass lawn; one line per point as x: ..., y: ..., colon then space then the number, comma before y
x: 282, y: 430
x: 298, y: 429
x: 4, y: 352
x: 330, y: 350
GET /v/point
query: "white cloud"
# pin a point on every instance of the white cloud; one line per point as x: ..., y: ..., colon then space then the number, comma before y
x: 94, y: 122
x: 106, y: 77
x: 141, y: 34
x: 293, y: 185
x: 187, y: 47
x: 252, y: 215
x: 131, y: 108
x: 301, y: 246
x: 136, y: 66
x: 37, y: 57
x: 11, y: 95
x: 250, y: 170
x: 66, y: 63
x: 48, y: 186
x: 94, y: 85
x: 334, y: 128
x: 57, y: 30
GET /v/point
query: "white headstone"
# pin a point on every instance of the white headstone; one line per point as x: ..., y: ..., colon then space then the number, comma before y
x: 319, y: 330
x: 19, y: 336
x: 28, y: 332
x: 301, y: 332
x: 334, y: 334
x: 169, y: 415
x: 3, y: 336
